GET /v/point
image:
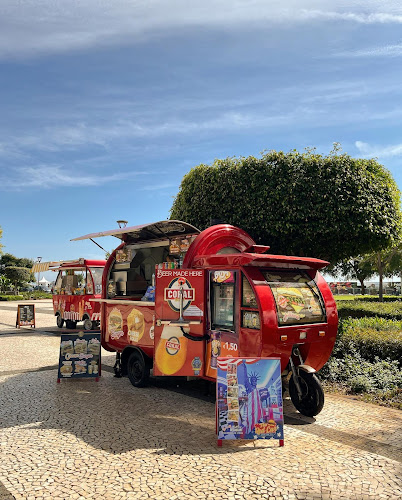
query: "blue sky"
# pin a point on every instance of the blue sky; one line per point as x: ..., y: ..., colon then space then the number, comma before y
x: 106, y: 105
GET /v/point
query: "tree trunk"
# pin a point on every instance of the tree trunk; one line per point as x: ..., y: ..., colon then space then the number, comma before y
x: 380, y: 274
x: 363, y: 288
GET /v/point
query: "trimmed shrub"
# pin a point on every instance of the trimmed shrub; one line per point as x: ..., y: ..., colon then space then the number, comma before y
x: 370, y: 337
x: 11, y: 297
x: 368, y: 298
x: 367, y: 360
x: 374, y: 298
x: 27, y: 296
x: 359, y: 375
x: 364, y: 308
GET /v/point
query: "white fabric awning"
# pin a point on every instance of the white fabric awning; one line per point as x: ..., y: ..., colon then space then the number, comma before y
x: 40, y: 267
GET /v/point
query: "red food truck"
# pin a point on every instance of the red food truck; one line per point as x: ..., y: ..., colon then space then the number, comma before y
x: 174, y: 299
x: 77, y: 282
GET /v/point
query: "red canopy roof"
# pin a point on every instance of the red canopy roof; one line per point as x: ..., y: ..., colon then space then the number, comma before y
x: 254, y: 259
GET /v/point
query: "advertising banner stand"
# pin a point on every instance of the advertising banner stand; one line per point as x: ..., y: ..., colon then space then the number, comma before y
x: 80, y: 356
x: 25, y: 315
x: 249, y: 399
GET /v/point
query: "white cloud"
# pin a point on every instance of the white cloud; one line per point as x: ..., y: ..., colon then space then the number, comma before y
x: 34, y: 27
x: 378, y: 151
x: 136, y: 137
x: 47, y: 176
x: 357, y: 17
x: 385, y: 51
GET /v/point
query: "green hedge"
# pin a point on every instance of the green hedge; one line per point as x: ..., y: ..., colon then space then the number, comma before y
x: 370, y: 337
x: 367, y: 360
x: 11, y: 297
x: 357, y: 375
x: 367, y: 298
x: 366, y: 308
x: 374, y: 298
x: 27, y: 296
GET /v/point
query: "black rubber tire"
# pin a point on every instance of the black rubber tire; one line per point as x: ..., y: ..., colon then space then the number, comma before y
x: 88, y: 324
x: 312, y: 400
x: 70, y: 324
x: 59, y: 321
x: 138, y: 369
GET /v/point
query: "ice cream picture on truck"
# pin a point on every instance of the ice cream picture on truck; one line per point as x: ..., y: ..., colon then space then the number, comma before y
x: 174, y: 299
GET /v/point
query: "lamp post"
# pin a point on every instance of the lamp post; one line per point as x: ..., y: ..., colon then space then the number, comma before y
x: 38, y: 260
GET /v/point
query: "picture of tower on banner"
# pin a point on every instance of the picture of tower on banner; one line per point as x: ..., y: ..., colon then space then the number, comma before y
x: 249, y: 398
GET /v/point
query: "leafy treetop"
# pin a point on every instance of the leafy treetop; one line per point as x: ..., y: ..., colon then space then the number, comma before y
x: 8, y: 260
x: 329, y: 207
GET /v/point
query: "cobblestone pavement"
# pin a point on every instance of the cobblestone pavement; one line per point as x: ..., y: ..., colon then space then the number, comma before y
x: 108, y: 440
x: 44, y: 318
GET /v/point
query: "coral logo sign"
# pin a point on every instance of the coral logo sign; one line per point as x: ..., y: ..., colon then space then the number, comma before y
x: 172, y: 294
x: 177, y: 288
x: 172, y: 346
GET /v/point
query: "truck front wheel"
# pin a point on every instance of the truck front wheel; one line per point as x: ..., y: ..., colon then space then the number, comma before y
x: 137, y: 369
x: 311, y: 401
x: 59, y: 321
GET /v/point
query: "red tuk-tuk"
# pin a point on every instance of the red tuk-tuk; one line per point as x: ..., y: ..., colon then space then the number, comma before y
x: 174, y: 299
x: 77, y: 282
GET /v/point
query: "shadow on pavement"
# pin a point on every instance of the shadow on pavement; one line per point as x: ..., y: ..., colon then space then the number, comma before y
x: 45, y: 330
x: 4, y: 493
x: 172, y: 416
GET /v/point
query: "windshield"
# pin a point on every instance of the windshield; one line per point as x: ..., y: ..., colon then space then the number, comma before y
x: 297, y: 297
x: 97, y: 277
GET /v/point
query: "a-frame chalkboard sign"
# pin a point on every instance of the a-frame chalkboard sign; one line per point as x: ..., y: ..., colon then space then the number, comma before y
x: 25, y: 315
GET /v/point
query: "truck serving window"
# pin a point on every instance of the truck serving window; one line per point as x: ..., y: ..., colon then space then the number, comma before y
x: 132, y: 270
x: 297, y: 297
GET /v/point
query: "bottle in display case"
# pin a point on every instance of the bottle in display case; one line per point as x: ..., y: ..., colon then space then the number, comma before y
x: 224, y: 305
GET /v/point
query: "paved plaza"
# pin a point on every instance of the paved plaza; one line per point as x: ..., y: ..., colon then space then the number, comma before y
x: 109, y: 440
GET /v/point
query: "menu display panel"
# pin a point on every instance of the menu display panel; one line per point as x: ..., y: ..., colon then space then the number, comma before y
x: 297, y: 297
x: 80, y: 355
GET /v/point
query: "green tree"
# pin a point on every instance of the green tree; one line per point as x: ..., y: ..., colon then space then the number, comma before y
x: 388, y: 262
x: 4, y: 283
x: 358, y: 268
x: 331, y: 207
x: 1, y: 235
x: 8, y: 259
x: 19, y: 276
x: 17, y: 270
